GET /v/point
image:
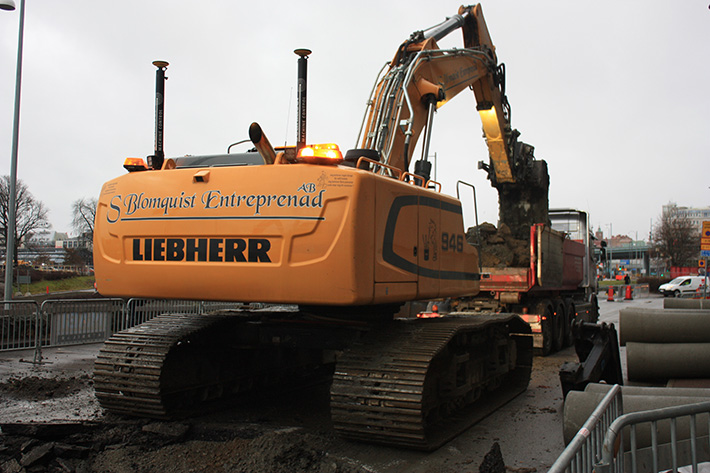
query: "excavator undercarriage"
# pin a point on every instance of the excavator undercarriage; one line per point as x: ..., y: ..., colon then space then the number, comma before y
x: 408, y: 383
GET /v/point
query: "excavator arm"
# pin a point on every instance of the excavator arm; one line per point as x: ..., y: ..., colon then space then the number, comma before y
x: 421, y: 78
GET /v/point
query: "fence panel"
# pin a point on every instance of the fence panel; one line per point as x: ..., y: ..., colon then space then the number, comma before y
x: 76, y: 321
x: 18, y: 325
x: 619, y: 292
x: 139, y: 311
x: 658, y: 440
x: 24, y: 324
x: 585, y: 449
x: 641, y: 290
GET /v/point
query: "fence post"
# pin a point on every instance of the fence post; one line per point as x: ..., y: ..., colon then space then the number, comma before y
x: 38, y: 335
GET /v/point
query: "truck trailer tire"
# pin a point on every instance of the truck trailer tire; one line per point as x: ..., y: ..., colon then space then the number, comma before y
x: 560, y: 323
x: 569, y: 320
x: 544, y: 309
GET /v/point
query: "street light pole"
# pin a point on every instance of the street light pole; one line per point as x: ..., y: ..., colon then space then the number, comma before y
x: 610, y: 252
x: 12, y: 216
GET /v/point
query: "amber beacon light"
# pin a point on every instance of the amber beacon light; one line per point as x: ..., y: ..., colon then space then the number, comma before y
x: 328, y: 153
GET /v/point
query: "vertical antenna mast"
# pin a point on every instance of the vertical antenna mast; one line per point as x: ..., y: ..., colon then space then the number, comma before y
x: 156, y: 161
x: 302, y: 83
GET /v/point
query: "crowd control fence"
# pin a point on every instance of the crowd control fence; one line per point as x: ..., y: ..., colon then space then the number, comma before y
x: 667, y: 439
x: 586, y: 447
x: 59, y: 322
x: 18, y: 325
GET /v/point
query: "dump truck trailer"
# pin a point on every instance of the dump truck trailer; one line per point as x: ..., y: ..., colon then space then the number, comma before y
x: 556, y: 287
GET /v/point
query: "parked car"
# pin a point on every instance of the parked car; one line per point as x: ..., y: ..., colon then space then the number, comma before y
x: 682, y: 285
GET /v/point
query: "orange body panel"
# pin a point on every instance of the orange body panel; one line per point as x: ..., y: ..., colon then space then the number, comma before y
x: 302, y: 234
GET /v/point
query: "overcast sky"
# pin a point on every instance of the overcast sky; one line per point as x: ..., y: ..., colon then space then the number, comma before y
x: 612, y: 94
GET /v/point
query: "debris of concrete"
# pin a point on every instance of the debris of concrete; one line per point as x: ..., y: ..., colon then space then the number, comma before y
x: 37, y: 454
x: 493, y: 461
x: 11, y: 466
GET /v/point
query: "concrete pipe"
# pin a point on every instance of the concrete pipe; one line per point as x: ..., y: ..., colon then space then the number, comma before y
x: 663, y: 326
x: 579, y: 406
x: 649, y: 361
x: 653, y: 391
x: 675, y: 303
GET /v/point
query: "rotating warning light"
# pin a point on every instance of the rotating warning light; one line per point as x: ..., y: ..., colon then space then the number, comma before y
x: 135, y: 164
x: 328, y: 153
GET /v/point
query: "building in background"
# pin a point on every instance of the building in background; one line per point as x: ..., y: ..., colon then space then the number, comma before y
x: 619, y: 255
x: 47, y: 248
x: 696, y: 215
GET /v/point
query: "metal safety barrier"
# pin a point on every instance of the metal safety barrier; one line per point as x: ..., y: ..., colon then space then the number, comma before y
x: 619, y: 292
x: 667, y: 439
x: 678, y: 437
x: 18, y: 325
x: 139, y: 311
x: 642, y: 290
x: 76, y: 321
x: 585, y: 449
x: 58, y: 322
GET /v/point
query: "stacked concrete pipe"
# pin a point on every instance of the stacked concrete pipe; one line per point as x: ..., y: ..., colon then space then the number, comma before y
x: 663, y: 344
x: 580, y: 404
x: 677, y: 303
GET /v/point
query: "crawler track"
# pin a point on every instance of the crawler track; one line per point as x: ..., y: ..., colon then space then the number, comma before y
x: 414, y: 383
x: 173, y: 364
x: 418, y: 384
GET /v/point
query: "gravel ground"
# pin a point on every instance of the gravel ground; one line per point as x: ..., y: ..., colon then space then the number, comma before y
x: 51, y: 422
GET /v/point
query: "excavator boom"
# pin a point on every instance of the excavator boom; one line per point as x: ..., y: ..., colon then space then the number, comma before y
x: 422, y: 78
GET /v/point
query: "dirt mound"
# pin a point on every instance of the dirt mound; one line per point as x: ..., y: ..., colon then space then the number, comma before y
x: 497, y: 247
x: 144, y: 447
x: 35, y: 388
x: 291, y: 450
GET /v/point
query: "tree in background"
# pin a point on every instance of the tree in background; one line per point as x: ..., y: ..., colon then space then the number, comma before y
x: 675, y: 239
x: 83, y: 214
x: 78, y: 257
x: 31, y: 214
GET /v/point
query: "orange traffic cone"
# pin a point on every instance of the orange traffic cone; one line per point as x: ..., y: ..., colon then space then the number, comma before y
x: 629, y: 294
x: 610, y: 294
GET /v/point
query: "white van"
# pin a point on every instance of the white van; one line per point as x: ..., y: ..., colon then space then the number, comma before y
x: 682, y: 286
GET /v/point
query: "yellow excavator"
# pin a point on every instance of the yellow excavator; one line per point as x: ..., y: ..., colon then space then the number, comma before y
x: 335, y: 244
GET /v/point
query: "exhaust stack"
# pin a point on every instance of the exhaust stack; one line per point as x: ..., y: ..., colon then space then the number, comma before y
x: 156, y: 161
x: 302, y: 82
